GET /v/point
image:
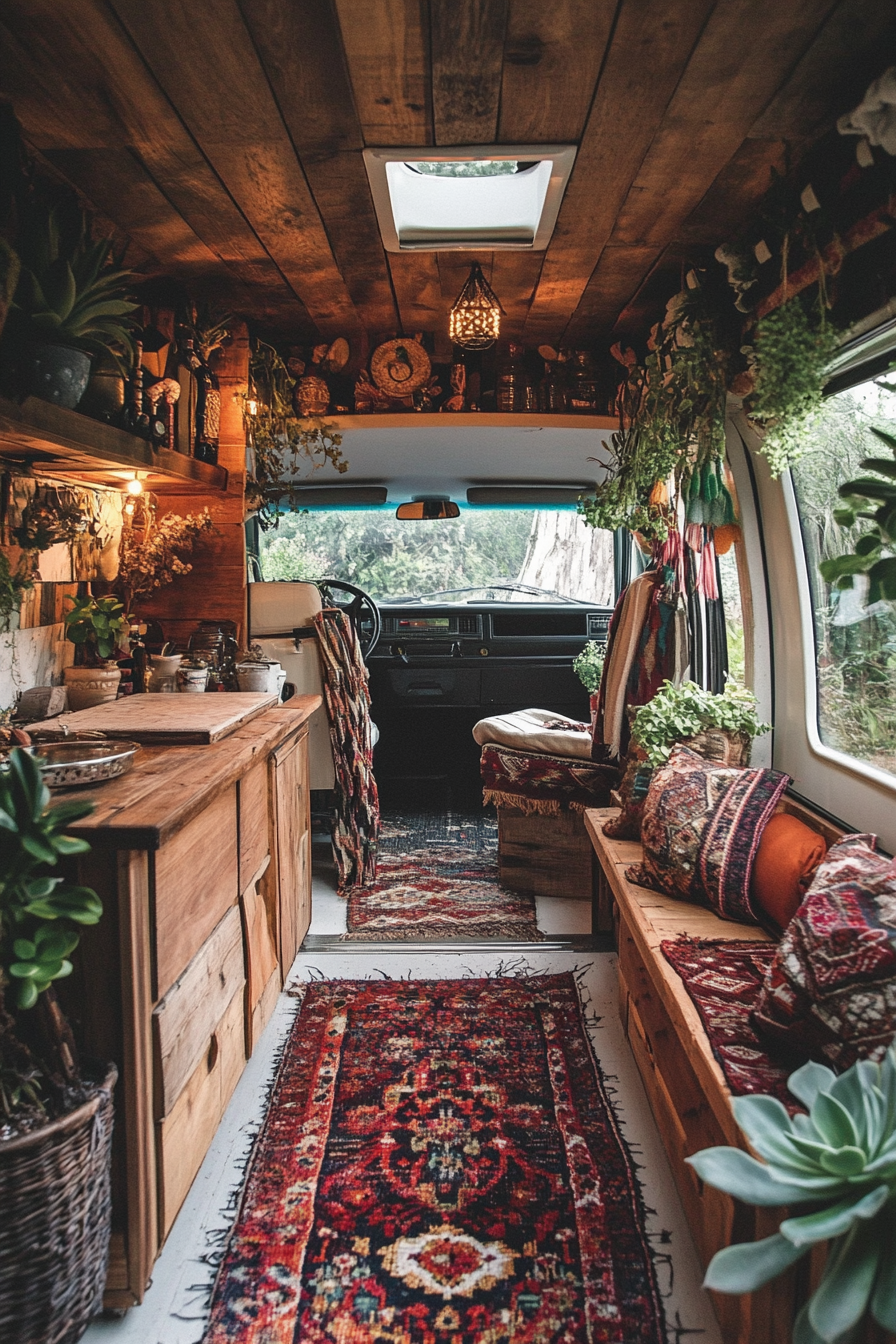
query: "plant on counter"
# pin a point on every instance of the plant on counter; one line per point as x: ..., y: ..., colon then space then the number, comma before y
x: 677, y: 713
x: 672, y: 418
x: 589, y: 665
x: 841, y: 1160
x: 156, y: 551
x: 788, y: 361
x: 280, y: 444
x: 98, y: 627
x: 872, y: 499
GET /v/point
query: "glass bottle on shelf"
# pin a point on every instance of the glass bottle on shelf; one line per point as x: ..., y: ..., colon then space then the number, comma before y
x: 208, y: 413
x: 513, y: 389
x: 583, y: 389
x: 187, y: 402
x: 134, y: 418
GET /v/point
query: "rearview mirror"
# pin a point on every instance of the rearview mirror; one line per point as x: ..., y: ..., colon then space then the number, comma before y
x: 416, y: 510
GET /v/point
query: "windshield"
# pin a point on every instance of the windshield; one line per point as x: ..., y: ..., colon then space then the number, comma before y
x: 485, y: 555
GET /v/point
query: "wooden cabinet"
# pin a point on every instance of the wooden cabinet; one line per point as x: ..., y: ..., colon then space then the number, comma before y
x: 202, y: 858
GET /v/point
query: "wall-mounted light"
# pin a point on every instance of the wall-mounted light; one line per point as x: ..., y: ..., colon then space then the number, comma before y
x: 252, y: 407
x: 134, y: 485
x: 475, y: 319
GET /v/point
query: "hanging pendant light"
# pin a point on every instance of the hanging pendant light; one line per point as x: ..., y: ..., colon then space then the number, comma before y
x: 475, y: 318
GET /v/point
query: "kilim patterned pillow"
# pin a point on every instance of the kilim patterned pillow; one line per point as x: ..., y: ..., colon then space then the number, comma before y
x: 830, y: 992
x: 701, y: 828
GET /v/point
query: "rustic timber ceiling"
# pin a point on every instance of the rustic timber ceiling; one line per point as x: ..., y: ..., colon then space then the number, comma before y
x: 224, y: 137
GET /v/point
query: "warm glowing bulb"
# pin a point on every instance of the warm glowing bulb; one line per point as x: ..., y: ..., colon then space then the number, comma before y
x: 134, y: 487
x: 130, y: 508
x: 252, y: 406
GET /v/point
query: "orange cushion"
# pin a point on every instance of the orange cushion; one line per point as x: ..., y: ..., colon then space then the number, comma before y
x: 788, y: 854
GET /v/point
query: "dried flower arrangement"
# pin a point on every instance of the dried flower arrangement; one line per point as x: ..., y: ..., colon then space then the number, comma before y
x: 156, y: 551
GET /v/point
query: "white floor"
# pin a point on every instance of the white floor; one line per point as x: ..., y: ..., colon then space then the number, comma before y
x: 174, y: 1309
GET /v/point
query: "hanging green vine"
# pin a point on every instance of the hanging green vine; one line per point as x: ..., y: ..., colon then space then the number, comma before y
x: 283, y: 446
x: 789, y: 359
x: 672, y: 419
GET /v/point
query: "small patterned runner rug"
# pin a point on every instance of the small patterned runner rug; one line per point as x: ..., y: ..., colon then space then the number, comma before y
x: 437, y: 877
x: 439, y: 1163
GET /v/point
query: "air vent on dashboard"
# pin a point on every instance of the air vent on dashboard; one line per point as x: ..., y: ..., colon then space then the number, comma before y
x: 468, y: 625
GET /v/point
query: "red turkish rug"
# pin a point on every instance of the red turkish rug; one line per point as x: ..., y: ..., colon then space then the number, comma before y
x: 723, y: 978
x: 439, y: 1165
x: 437, y: 877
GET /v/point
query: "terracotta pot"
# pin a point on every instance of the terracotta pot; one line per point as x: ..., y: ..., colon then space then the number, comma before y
x: 89, y: 686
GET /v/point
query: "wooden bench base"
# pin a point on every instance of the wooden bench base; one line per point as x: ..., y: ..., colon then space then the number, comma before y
x: 552, y: 856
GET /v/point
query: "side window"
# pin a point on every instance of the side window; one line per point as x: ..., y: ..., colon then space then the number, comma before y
x: 735, y: 624
x: 855, y: 643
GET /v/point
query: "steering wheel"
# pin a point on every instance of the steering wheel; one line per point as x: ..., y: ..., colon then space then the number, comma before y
x: 362, y: 611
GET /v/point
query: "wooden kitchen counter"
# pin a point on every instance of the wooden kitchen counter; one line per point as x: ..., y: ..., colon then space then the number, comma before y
x: 201, y: 855
x: 168, y: 786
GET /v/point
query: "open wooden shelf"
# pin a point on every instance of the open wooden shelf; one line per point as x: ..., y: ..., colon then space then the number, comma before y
x: 57, y: 442
x: 471, y: 420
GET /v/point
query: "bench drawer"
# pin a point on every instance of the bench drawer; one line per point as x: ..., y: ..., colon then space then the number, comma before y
x: 255, y: 822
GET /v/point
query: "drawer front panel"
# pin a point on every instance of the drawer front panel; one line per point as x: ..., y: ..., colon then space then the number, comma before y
x: 185, y: 1135
x: 293, y: 831
x: 185, y: 1020
x: 196, y: 880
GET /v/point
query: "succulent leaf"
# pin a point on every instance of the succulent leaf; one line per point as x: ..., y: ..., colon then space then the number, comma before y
x: 834, y: 1220
x: 883, y: 1303
x: 807, y: 1082
x: 748, y: 1265
x: 842, y: 1297
x: 738, y: 1174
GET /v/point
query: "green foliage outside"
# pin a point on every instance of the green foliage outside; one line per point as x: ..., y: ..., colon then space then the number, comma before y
x: 840, y: 1160
x: 391, y: 559
x: 855, y: 644
x: 677, y: 713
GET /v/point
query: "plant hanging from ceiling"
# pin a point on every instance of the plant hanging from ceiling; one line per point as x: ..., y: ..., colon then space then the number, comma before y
x: 672, y: 418
x: 282, y: 445
x: 156, y: 551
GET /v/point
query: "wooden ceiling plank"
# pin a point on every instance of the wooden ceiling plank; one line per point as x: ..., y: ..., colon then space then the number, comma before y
x: 467, y: 60
x: 514, y: 278
x: 618, y: 275
x: 77, y: 84
x: 315, y: 99
x: 733, y: 196
x: 552, y: 57
x: 727, y: 84
x: 386, y: 46
x: 223, y: 97
x: 833, y: 74
x: 651, y: 45
x: 415, y: 276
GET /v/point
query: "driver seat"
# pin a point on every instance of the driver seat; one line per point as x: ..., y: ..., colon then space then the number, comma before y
x: 281, y: 620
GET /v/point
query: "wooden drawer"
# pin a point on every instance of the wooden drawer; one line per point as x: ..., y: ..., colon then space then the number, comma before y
x: 186, y: 1019
x: 185, y: 1134
x: 196, y: 879
x: 255, y: 822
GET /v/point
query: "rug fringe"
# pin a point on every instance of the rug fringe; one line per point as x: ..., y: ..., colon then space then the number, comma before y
x: 546, y: 807
x: 510, y: 932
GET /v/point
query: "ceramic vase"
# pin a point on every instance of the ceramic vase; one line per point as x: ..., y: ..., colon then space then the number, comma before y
x: 89, y: 686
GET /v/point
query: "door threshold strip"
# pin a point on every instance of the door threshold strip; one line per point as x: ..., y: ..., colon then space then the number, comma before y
x: 602, y: 942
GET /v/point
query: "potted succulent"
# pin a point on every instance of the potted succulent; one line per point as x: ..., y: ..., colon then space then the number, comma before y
x: 837, y: 1164
x: 98, y: 627
x: 55, y: 1120
x: 588, y: 667
x: 72, y: 301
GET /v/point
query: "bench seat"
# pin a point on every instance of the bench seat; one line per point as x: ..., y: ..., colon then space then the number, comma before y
x: 684, y: 1082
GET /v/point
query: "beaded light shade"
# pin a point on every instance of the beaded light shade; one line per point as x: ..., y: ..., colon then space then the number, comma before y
x: 475, y: 318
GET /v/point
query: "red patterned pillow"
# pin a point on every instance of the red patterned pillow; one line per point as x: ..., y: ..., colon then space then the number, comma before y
x: 701, y: 828
x: 830, y: 992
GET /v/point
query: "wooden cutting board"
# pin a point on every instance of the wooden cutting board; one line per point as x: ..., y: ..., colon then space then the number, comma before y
x: 181, y: 718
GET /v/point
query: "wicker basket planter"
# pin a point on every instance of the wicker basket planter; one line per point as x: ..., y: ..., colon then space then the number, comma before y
x: 54, y: 1231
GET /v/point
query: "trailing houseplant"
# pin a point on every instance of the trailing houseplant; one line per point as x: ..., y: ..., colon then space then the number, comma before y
x: 55, y: 1119
x: 840, y: 1159
x: 678, y: 713
x: 281, y: 445
x: 156, y: 551
x: 873, y: 500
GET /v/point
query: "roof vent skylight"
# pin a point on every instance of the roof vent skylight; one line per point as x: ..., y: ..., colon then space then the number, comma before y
x: 463, y: 199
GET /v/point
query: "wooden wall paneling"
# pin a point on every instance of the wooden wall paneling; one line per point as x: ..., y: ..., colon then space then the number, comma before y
x: 726, y: 85
x: 223, y: 97
x: 77, y: 83
x: 387, y: 49
x: 649, y: 50
x: 552, y: 58
x: 314, y: 95
x: 467, y: 43
x: 418, y: 289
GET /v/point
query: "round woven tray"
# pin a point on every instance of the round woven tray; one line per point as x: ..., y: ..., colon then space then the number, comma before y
x: 400, y: 367
x: 54, y: 1233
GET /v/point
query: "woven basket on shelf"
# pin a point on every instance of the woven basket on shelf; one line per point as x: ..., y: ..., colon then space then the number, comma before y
x: 55, y: 1200
x: 719, y: 744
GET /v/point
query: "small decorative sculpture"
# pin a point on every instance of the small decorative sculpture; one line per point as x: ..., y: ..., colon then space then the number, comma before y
x: 311, y: 395
x: 458, y: 387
